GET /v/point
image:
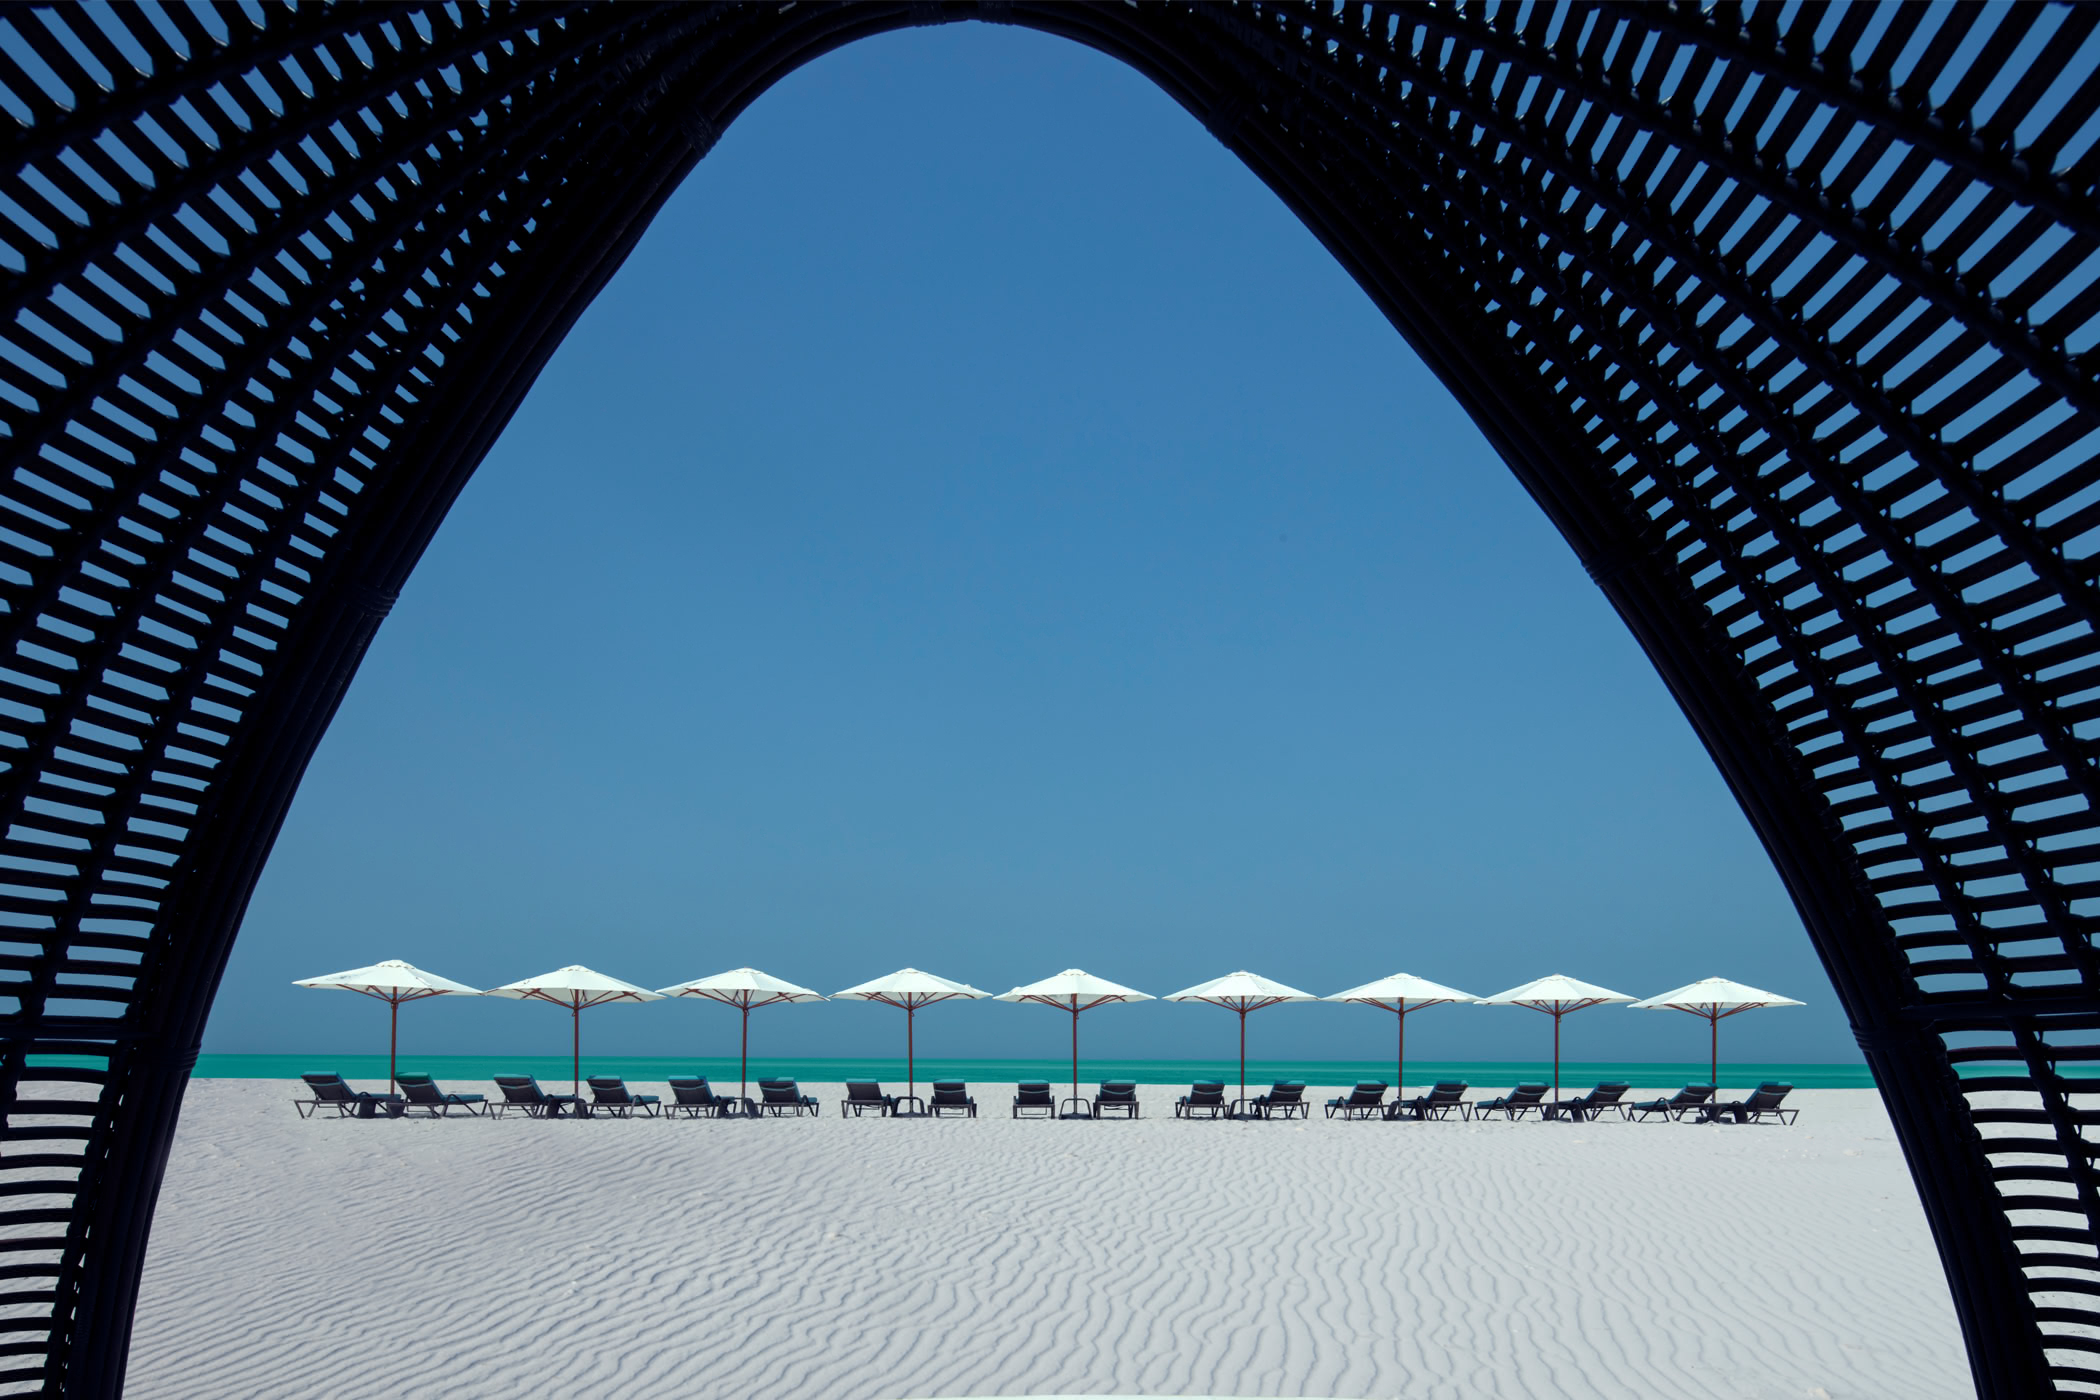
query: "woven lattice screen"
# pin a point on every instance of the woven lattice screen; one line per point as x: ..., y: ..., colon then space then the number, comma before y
x: 1784, y: 314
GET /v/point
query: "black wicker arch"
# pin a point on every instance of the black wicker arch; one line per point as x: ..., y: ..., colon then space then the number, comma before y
x: 1784, y: 314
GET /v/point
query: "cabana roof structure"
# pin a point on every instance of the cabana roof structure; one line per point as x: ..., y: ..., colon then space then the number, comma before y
x: 1784, y: 316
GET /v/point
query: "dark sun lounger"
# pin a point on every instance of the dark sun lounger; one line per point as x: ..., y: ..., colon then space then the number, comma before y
x: 608, y: 1092
x: 1684, y: 1101
x: 1286, y: 1098
x: 864, y: 1094
x: 1205, y: 1099
x: 784, y: 1098
x: 1366, y: 1099
x: 1763, y: 1103
x: 692, y: 1096
x: 1445, y: 1097
x: 1033, y: 1099
x: 329, y: 1091
x: 1605, y: 1098
x: 951, y: 1096
x: 423, y: 1094
x: 1117, y: 1096
x: 522, y: 1091
x: 1525, y: 1098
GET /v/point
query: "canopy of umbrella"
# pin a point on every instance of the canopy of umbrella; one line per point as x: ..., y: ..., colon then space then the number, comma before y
x: 909, y: 989
x: 1242, y: 992
x: 1715, y: 998
x: 1557, y: 996
x: 1401, y: 993
x: 575, y: 987
x: 747, y: 989
x: 1074, y: 991
x: 392, y: 982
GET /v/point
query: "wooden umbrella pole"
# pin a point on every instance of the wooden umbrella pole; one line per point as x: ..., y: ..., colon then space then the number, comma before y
x: 576, y: 1047
x: 1243, y: 1052
x: 911, y: 1065
x: 1075, y: 1047
x: 1713, y: 1064
x: 393, y: 1036
x: 743, y: 1056
x: 1556, y: 1056
x: 1400, y: 1057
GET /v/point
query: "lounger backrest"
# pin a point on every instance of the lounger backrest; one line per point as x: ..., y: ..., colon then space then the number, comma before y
x: 329, y: 1088
x: 1610, y: 1091
x: 520, y: 1088
x: 1767, y: 1097
x: 1528, y: 1093
x: 1692, y: 1094
x: 1449, y: 1091
x: 607, y: 1089
x: 1033, y: 1093
x: 780, y: 1090
x: 950, y: 1091
x: 1205, y: 1091
x: 1367, y: 1092
x: 692, y: 1091
x: 863, y: 1091
x: 419, y: 1089
x: 1287, y: 1091
x: 1119, y: 1091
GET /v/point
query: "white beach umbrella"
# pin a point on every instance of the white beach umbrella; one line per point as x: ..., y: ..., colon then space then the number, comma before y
x: 1242, y: 992
x: 1556, y: 996
x: 575, y: 987
x: 909, y: 989
x: 1074, y: 991
x: 747, y: 989
x: 1401, y: 993
x: 392, y: 982
x: 1714, y: 998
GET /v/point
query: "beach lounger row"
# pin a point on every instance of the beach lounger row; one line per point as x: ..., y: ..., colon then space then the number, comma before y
x: 692, y: 1097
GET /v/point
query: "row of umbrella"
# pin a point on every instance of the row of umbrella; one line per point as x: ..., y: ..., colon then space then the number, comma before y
x: 1073, y: 991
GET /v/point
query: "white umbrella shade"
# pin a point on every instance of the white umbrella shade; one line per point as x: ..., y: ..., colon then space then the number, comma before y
x: 909, y: 989
x: 1715, y: 998
x: 1401, y: 993
x: 1075, y: 991
x: 392, y: 982
x: 575, y: 987
x: 1242, y: 992
x: 747, y: 989
x: 1557, y: 996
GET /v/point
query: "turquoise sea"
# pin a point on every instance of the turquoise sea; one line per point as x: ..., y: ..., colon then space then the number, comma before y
x: 1480, y: 1074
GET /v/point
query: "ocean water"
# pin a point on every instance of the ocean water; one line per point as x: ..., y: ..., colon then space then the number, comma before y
x: 1494, y: 1074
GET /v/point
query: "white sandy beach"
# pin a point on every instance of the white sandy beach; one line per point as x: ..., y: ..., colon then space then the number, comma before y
x: 887, y: 1259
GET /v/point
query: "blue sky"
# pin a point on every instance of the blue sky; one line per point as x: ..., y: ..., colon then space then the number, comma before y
x: 980, y: 529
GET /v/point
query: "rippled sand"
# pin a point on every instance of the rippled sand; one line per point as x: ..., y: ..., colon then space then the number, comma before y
x: 882, y: 1259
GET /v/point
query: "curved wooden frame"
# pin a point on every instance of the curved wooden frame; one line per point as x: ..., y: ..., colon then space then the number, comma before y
x: 1783, y: 316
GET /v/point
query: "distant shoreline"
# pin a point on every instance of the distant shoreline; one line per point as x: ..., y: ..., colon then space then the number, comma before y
x: 834, y: 1070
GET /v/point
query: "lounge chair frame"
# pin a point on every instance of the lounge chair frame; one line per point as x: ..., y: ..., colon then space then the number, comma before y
x: 611, y: 1096
x: 1116, y: 1096
x: 350, y: 1103
x: 951, y: 1096
x: 539, y: 1103
x: 1520, y: 1100
x: 1673, y: 1108
x: 1205, y: 1099
x: 1442, y: 1100
x: 1034, y: 1100
x: 1360, y: 1102
x: 783, y: 1098
x: 436, y: 1103
x: 858, y: 1104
